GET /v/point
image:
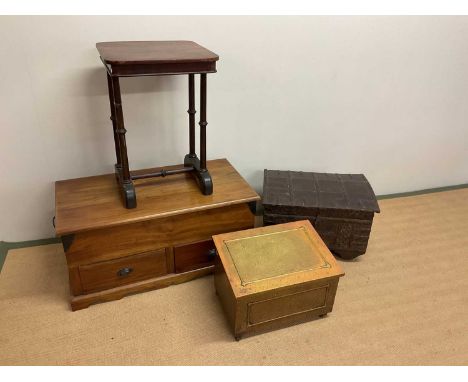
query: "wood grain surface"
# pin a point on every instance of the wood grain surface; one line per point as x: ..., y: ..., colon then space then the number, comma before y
x: 153, y: 52
x: 94, y: 202
x: 126, y: 270
x: 114, y: 242
x: 153, y: 250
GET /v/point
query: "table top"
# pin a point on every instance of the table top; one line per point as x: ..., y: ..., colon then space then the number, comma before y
x: 266, y: 258
x: 94, y: 202
x: 153, y: 52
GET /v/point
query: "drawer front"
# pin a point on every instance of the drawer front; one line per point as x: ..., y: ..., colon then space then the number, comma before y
x: 193, y: 256
x: 113, y: 273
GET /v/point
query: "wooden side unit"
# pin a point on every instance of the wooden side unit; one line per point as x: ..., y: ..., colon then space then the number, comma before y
x: 271, y: 277
x: 118, y: 257
x: 143, y: 249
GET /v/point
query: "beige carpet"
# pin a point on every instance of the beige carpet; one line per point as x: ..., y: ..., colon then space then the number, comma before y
x: 404, y: 302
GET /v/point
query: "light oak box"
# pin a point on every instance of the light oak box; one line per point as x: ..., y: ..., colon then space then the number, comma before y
x: 275, y: 276
x: 112, y: 251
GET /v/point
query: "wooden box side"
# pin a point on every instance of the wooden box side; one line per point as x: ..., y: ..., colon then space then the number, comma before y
x: 284, y: 307
x: 225, y: 294
x: 345, y: 237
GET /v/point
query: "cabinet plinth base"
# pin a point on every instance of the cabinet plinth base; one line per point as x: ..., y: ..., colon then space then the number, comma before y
x: 84, y: 301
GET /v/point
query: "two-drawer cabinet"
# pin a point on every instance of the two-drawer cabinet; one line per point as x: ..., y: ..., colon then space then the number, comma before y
x: 112, y: 251
x: 103, y: 275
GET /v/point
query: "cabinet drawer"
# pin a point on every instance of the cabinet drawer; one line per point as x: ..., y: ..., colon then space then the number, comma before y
x: 113, y: 273
x: 193, y: 256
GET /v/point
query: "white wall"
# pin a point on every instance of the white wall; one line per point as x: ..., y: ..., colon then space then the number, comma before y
x: 385, y: 96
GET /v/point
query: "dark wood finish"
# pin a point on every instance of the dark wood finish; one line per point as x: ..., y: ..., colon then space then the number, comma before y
x: 139, y: 58
x: 271, y: 277
x: 141, y: 70
x: 195, y: 255
x: 153, y: 52
x: 163, y: 173
x: 127, y: 189
x: 168, y: 233
x: 114, y: 123
x: 126, y: 270
x: 203, y: 123
x: 191, y: 111
x: 340, y: 206
x: 147, y: 58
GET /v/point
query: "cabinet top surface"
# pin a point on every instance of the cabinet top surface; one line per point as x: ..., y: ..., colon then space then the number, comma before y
x: 153, y: 52
x: 94, y: 202
x: 318, y: 190
x: 270, y: 257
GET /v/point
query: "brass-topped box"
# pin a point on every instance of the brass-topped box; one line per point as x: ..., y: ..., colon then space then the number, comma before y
x: 271, y: 277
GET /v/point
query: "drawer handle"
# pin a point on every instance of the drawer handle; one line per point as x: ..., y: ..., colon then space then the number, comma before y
x: 211, y: 254
x: 124, y: 272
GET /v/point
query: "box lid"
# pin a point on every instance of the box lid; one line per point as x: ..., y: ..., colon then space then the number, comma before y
x: 313, y: 191
x: 270, y: 257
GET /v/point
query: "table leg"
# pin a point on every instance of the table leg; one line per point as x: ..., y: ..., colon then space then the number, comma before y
x: 126, y: 183
x: 203, y: 122
x: 200, y: 171
x: 118, y: 165
x: 203, y: 176
x: 191, y: 111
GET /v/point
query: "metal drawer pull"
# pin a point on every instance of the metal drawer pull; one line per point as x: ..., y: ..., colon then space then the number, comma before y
x: 211, y: 254
x: 124, y: 272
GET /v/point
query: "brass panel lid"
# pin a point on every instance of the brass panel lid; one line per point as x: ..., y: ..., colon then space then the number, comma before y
x: 269, y: 257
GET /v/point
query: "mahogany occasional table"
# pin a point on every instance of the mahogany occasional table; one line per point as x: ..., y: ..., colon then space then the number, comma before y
x: 156, y: 58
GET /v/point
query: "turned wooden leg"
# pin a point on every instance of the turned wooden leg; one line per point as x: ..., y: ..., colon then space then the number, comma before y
x: 118, y: 165
x: 127, y: 186
x: 191, y: 111
x: 200, y: 171
x: 203, y: 122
